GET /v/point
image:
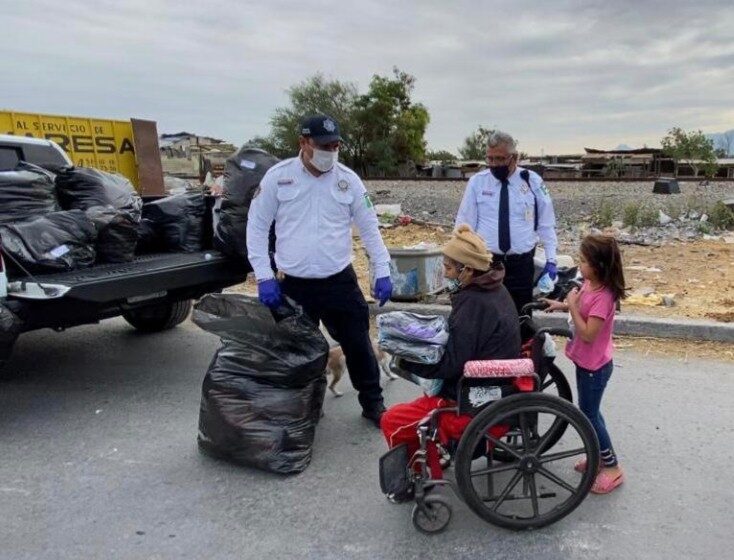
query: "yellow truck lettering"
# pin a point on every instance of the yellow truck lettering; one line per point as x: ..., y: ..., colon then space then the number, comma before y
x: 105, y: 144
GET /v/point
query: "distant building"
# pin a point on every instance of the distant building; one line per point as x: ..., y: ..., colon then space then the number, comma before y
x: 191, y: 156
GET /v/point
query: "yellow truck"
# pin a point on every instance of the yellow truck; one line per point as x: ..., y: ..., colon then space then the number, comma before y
x: 126, y: 147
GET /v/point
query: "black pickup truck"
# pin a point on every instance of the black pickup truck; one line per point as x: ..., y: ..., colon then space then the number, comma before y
x: 153, y: 292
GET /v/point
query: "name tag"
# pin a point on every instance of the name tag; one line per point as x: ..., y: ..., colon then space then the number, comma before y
x: 283, y: 182
x: 488, y: 193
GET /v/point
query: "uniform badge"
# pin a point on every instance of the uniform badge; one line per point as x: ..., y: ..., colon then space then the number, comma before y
x: 343, y: 185
x: 329, y: 125
x: 367, y: 200
x: 258, y: 190
x: 524, y: 189
x: 544, y: 189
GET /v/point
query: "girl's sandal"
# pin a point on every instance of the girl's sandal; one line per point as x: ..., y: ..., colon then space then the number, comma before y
x: 606, y: 482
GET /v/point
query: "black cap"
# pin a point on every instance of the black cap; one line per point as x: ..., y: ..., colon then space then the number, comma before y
x: 322, y: 128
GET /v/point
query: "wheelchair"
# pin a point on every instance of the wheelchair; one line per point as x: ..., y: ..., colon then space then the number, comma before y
x: 514, y: 462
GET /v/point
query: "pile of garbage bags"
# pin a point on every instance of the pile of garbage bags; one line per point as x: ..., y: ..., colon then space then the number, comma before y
x: 173, y: 224
x: 264, y: 389
x: 242, y: 174
x: 112, y: 204
x: 25, y: 193
x: 57, y: 242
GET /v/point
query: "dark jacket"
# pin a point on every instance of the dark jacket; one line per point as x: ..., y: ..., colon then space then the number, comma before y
x: 483, y: 325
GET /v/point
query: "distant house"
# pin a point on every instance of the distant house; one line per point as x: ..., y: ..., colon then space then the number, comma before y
x: 191, y: 156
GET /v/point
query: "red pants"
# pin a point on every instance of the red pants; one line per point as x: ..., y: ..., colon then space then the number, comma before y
x: 399, y: 425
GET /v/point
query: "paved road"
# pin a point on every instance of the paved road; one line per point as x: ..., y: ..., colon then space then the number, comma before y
x: 98, y: 460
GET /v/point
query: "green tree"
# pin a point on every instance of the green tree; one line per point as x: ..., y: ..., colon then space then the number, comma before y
x: 316, y: 94
x: 692, y: 148
x: 382, y: 129
x: 475, y: 145
x: 440, y: 155
x: 390, y: 128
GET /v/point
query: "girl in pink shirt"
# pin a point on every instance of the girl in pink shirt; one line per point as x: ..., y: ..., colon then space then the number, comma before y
x: 592, y: 314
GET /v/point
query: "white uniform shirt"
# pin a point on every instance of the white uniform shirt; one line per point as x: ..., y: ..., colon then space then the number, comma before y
x: 313, y: 222
x: 480, y: 209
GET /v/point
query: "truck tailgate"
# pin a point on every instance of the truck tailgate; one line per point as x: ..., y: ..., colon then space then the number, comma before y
x: 148, y: 275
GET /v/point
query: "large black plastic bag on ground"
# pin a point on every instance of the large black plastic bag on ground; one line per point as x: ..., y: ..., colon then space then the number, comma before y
x: 25, y: 193
x: 175, y: 223
x: 262, y: 395
x: 111, y: 202
x: 242, y: 174
x: 60, y: 241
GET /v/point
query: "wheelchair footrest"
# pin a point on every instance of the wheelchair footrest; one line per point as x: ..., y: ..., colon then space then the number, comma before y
x: 394, y: 475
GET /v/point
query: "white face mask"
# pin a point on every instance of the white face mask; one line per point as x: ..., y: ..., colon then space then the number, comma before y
x: 323, y: 160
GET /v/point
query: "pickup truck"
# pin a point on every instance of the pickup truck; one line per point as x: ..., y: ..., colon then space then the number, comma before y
x: 152, y: 293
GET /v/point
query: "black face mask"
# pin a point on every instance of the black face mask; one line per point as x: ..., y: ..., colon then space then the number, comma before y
x: 500, y: 172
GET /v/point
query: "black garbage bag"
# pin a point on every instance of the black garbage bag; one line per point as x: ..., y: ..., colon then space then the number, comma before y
x: 117, y: 234
x: 26, y: 192
x: 82, y: 188
x: 175, y: 222
x: 111, y: 202
x: 60, y: 241
x: 242, y: 174
x: 264, y: 389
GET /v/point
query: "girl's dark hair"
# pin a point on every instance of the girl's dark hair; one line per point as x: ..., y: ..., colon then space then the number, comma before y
x: 602, y: 254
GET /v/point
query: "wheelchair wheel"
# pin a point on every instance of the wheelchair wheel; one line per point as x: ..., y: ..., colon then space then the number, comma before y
x: 537, y: 487
x: 556, y: 384
x: 434, y: 516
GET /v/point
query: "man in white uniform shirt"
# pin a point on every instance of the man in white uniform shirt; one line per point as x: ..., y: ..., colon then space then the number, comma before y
x: 314, y: 200
x: 510, y: 207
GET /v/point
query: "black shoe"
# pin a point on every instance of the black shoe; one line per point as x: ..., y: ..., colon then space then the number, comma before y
x: 374, y: 413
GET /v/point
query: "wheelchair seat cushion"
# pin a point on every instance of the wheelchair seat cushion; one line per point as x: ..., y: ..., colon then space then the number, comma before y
x: 499, y: 368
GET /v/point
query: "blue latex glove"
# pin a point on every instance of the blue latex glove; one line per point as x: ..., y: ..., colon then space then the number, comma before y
x: 551, y: 269
x: 268, y: 291
x: 383, y: 289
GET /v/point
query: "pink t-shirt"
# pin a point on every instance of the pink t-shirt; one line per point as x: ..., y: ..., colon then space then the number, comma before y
x: 594, y: 303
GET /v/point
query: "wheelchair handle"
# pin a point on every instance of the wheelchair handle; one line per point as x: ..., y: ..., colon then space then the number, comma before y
x: 555, y: 331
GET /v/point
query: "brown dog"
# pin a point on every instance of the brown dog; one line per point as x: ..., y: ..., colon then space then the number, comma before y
x: 337, y: 365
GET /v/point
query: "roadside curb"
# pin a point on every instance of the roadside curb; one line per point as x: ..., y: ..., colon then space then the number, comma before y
x: 628, y: 325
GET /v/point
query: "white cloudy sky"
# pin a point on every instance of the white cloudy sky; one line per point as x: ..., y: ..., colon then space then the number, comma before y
x: 559, y: 75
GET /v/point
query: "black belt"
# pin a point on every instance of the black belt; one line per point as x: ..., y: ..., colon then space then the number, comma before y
x: 346, y: 271
x: 505, y: 258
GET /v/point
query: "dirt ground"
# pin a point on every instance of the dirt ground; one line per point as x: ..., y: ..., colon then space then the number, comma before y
x: 699, y: 275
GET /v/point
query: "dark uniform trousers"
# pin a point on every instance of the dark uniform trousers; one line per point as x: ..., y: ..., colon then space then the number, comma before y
x: 338, y: 303
x: 519, y: 274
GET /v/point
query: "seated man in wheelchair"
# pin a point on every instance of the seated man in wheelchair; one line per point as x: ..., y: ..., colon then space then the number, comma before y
x: 483, y: 325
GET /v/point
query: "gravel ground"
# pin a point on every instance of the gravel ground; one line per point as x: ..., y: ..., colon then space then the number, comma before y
x: 438, y: 201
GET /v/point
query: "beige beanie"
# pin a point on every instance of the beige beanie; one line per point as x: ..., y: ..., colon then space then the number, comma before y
x: 468, y: 248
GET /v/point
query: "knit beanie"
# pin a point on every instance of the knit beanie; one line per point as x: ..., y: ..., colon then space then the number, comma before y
x: 468, y: 248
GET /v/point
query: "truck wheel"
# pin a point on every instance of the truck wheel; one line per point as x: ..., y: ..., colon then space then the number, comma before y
x: 159, y: 317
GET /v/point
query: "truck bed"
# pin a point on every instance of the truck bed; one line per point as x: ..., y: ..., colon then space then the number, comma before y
x: 148, y: 275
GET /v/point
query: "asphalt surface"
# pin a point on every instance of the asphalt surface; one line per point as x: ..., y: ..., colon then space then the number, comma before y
x: 98, y: 460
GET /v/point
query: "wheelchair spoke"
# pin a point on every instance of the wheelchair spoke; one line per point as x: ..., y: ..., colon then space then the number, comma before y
x: 503, y: 446
x: 494, y: 470
x: 554, y: 478
x: 534, y: 494
x: 547, y: 384
x: 562, y: 455
x: 510, y: 486
x: 525, y: 431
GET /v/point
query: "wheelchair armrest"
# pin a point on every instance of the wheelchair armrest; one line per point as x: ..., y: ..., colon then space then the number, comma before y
x: 555, y: 331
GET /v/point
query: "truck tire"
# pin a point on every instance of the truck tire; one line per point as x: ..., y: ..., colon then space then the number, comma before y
x: 159, y: 317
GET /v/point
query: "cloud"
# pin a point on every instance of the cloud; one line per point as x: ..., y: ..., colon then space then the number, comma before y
x: 558, y: 75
